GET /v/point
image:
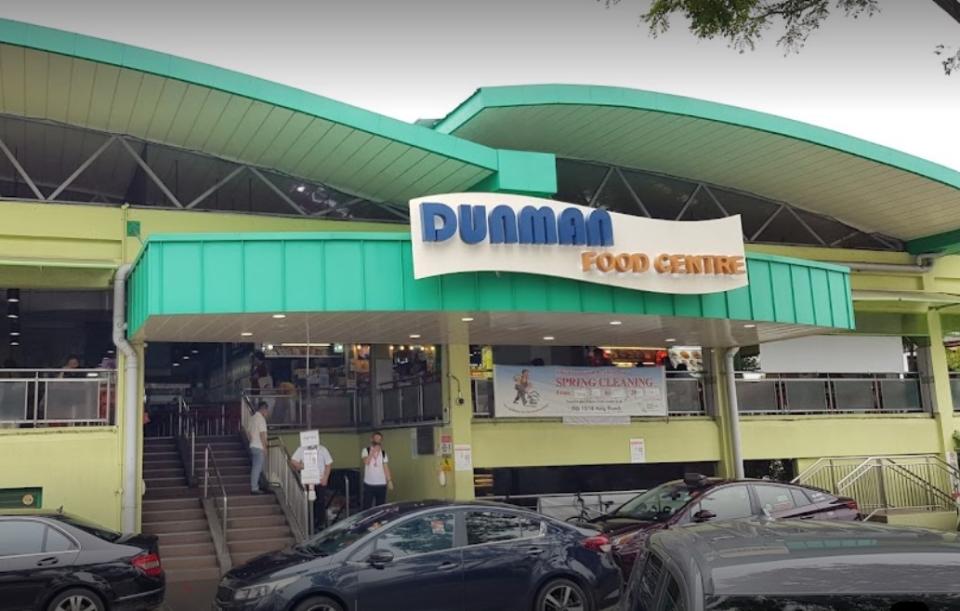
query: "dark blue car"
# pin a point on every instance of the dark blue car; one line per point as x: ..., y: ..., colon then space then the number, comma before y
x: 433, y: 556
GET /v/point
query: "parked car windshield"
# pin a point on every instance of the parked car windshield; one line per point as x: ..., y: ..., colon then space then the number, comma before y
x: 347, y: 532
x: 657, y: 504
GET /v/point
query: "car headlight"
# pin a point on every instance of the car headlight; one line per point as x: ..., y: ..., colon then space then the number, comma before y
x: 262, y: 589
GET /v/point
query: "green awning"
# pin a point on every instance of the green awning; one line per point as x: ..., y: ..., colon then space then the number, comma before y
x: 359, y: 287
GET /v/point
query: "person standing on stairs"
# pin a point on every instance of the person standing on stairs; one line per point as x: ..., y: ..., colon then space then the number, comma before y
x: 257, y: 433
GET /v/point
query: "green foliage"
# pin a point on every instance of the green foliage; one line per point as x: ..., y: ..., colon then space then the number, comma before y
x: 953, y: 359
x: 741, y: 22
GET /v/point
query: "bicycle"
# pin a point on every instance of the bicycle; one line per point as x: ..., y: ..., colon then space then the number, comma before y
x: 585, y: 514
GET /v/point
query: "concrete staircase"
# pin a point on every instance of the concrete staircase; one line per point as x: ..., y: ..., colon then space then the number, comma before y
x: 172, y: 511
x: 255, y: 523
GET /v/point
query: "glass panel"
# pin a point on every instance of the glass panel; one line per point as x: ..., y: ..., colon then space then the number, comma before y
x: 19, y: 537
x: 806, y: 395
x: 366, y: 411
x: 13, y: 400
x: 854, y: 395
x: 702, y: 208
x: 332, y: 409
x: 786, y: 229
x: 492, y: 527
x: 955, y: 393
x: 775, y: 498
x: 410, y: 400
x: 728, y: 503
x: 577, y: 181
x: 617, y: 198
x: 421, y: 535
x: 483, y: 397
x: 391, y: 404
x: 901, y: 394
x: 683, y: 395
x: 753, y: 211
x: 56, y: 542
x: 72, y: 400
x: 662, y: 197
x: 757, y: 396
x: 432, y: 401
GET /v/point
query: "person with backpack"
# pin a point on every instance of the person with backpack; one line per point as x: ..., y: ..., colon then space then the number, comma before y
x: 376, y: 472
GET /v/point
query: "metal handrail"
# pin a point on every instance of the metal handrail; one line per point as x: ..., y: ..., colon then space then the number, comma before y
x: 290, y: 493
x: 186, y: 439
x: 36, y: 384
x: 210, y: 459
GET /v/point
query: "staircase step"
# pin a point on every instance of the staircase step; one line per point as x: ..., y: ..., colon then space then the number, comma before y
x: 249, y: 534
x: 174, y: 526
x: 151, y: 472
x: 200, y: 548
x: 247, y: 500
x: 174, y: 515
x: 255, y: 522
x: 249, y: 511
x: 164, y: 463
x: 152, y: 505
x: 171, y: 493
x: 183, y: 538
x: 163, y: 454
x: 204, y: 574
x: 165, y: 482
x: 259, y: 545
x: 190, y: 562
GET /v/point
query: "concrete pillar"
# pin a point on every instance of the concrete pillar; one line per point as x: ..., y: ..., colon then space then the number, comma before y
x: 715, y: 392
x: 381, y: 372
x: 936, y: 376
x: 458, y: 406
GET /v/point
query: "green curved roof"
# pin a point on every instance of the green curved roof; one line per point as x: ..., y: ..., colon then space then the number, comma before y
x: 869, y: 186
x: 361, y: 285
x: 87, y: 82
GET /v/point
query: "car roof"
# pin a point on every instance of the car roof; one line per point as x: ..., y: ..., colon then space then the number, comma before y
x: 794, y: 557
x: 406, y: 507
x: 30, y: 513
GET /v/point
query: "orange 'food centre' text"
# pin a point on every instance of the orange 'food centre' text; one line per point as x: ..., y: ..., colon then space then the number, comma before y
x: 663, y: 264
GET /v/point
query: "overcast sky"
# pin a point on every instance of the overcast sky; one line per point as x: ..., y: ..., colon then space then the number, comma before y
x: 874, y: 78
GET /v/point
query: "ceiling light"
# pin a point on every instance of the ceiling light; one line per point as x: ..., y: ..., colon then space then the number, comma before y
x: 246, y: 334
x: 176, y: 364
x: 14, y: 334
x: 749, y: 326
x: 14, y: 343
x: 13, y: 295
x: 548, y: 338
x: 670, y: 340
x: 186, y: 357
x: 301, y: 188
x: 13, y: 315
x: 616, y: 323
x: 414, y: 336
x: 278, y: 316
x: 194, y: 351
x: 304, y: 345
x: 92, y: 374
x: 467, y: 319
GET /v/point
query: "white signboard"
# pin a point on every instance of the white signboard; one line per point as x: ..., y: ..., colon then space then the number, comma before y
x: 638, y: 451
x: 311, y: 467
x: 471, y: 232
x: 463, y: 457
x: 579, y: 391
x: 309, y: 439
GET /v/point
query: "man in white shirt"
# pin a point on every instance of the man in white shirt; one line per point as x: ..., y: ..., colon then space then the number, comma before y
x: 257, y: 434
x: 376, y: 472
x: 326, y: 465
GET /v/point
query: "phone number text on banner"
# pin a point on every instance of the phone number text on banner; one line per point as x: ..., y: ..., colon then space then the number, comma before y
x: 578, y: 391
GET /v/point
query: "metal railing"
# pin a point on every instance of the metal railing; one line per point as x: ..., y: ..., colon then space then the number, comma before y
x: 220, y: 501
x: 765, y: 393
x: 57, y: 397
x: 290, y: 493
x: 565, y: 505
x: 211, y: 420
x: 410, y: 401
x: 186, y: 440
x: 887, y: 483
x: 322, y: 407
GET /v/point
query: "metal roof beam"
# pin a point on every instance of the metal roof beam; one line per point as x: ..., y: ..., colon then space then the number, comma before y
x: 83, y: 166
x: 19, y: 168
x: 276, y: 189
x: 236, y: 171
x: 149, y: 172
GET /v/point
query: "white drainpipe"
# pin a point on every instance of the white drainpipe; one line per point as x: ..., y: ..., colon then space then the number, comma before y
x: 131, y: 425
x: 734, y: 412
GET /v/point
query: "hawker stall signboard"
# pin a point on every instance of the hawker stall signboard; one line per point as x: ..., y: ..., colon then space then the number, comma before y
x: 578, y: 391
x: 498, y: 232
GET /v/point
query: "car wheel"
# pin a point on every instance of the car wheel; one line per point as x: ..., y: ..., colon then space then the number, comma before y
x: 562, y: 595
x: 319, y: 603
x: 77, y: 599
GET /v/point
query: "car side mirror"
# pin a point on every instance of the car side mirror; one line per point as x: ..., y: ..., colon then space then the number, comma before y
x: 380, y: 559
x: 704, y: 515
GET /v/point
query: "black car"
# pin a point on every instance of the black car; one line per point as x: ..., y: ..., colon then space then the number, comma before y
x: 773, y: 565
x: 57, y: 562
x: 697, y: 498
x: 433, y: 556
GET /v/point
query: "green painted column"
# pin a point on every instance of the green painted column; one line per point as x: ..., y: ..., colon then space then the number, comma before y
x: 459, y: 404
x: 718, y: 406
x: 938, y: 381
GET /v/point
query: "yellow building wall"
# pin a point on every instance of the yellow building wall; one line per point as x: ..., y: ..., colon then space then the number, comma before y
x: 500, y: 443
x: 78, y: 469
